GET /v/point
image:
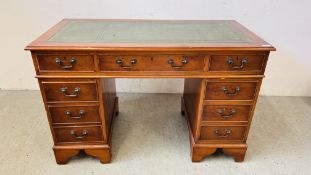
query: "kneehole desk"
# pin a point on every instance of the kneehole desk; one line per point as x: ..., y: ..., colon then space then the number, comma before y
x: 77, y: 61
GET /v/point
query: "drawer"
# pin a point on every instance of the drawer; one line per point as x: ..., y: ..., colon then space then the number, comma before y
x: 222, y: 132
x: 74, y: 114
x: 237, y: 63
x: 78, y: 134
x: 68, y: 63
x: 226, y: 113
x: 230, y: 90
x: 151, y: 62
x: 70, y: 91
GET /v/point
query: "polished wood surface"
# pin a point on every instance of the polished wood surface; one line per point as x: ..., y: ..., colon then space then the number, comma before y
x: 201, y: 150
x: 219, y: 90
x: 192, y: 98
x: 151, y: 62
x: 109, y: 102
x: 66, y: 114
x: 65, y: 63
x: 226, y: 113
x: 71, y: 134
x: 224, y: 133
x: 87, y: 91
x: 220, y: 63
x: 64, y: 153
x: 77, y: 61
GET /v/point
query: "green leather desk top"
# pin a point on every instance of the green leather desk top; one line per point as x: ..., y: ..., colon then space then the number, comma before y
x: 149, y: 32
x: 92, y: 34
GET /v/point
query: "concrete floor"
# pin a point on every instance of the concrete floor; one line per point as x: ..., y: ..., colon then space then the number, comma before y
x: 150, y: 137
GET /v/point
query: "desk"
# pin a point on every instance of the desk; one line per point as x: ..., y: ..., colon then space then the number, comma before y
x: 77, y: 61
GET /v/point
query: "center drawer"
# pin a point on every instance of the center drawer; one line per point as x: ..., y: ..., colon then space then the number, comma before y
x: 151, y: 62
x: 70, y: 91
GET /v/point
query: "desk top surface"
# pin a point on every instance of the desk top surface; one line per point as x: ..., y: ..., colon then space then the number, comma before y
x: 91, y: 34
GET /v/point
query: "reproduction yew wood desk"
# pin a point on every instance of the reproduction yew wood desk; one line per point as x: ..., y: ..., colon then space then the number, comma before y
x: 77, y: 62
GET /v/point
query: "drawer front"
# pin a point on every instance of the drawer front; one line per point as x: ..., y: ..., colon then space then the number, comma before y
x: 222, y: 133
x: 230, y: 90
x: 71, y: 91
x: 74, y: 114
x: 151, y: 63
x: 226, y: 113
x: 68, y: 63
x: 237, y: 63
x: 78, y: 134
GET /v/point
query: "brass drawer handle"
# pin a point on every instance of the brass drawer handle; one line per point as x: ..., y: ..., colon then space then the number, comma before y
x: 230, y: 62
x: 119, y: 61
x: 221, y: 112
x: 184, y: 62
x: 76, y: 92
x: 236, y: 92
x: 223, y: 135
x: 84, y: 134
x: 81, y: 114
x: 72, y: 62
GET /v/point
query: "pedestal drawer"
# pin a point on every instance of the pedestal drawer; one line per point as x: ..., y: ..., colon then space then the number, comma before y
x: 74, y: 114
x: 68, y: 63
x: 222, y: 132
x: 226, y: 113
x: 78, y: 134
x: 230, y: 90
x: 70, y: 91
x: 151, y: 62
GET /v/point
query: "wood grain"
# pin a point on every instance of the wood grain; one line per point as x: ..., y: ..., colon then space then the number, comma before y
x: 207, y: 72
x: 63, y: 134
x: 60, y: 114
x: 224, y: 113
x: 209, y: 133
x: 88, y: 91
x: 83, y: 63
x: 151, y: 63
x: 219, y: 63
x: 216, y: 90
